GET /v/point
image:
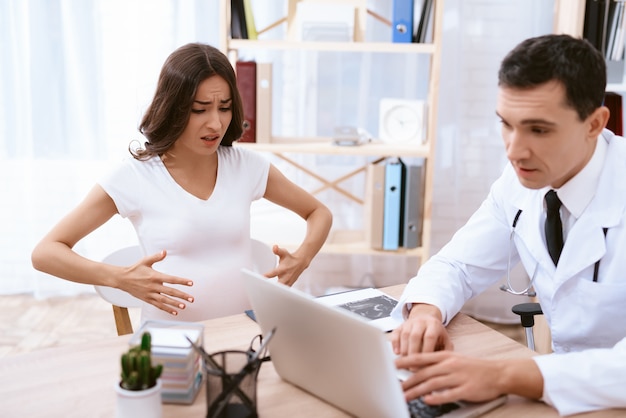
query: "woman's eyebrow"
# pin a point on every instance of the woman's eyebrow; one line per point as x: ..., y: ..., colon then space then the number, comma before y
x: 202, y: 102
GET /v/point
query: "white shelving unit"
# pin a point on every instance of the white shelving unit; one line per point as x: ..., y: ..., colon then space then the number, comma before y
x: 352, y: 242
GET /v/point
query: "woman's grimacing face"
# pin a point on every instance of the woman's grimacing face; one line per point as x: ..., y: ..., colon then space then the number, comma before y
x: 211, y: 114
x: 545, y: 141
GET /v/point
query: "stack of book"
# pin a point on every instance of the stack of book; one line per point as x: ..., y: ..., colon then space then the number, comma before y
x: 182, y: 366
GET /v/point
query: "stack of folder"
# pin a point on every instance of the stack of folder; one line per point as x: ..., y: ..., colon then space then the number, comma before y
x: 614, y: 102
x: 412, y: 21
x: 182, y: 367
x: 254, y: 82
x: 605, y: 27
x: 394, y: 199
x: 242, y: 24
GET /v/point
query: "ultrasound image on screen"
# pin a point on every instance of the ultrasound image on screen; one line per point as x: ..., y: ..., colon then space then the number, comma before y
x: 372, y: 308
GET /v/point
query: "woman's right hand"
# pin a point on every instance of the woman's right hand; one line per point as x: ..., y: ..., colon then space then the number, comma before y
x: 54, y: 255
x: 149, y: 285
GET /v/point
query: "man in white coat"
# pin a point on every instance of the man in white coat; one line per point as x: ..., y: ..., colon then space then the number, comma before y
x: 550, y: 102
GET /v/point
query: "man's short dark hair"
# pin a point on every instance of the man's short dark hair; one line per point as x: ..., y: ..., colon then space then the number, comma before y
x: 573, y: 62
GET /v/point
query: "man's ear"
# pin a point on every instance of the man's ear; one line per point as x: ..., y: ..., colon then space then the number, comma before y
x: 598, y: 120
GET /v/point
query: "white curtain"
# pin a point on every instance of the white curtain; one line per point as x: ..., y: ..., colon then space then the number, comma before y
x: 75, y: 77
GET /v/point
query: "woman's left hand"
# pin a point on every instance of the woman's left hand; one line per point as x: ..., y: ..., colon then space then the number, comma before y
x: 289, y: 267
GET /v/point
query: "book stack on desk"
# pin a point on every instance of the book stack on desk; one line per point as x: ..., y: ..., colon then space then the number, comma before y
x: 182, y: 367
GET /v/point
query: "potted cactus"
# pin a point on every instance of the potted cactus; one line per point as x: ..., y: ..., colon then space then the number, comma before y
x: 139, y: 391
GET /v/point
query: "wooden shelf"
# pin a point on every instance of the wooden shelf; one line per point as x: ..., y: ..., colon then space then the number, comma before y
x: 236, y: 44
x: 361, y: 248
x: 327, y: 148
x: 353, y: 242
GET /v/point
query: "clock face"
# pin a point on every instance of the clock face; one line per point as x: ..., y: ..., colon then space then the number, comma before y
x: 401, y: 121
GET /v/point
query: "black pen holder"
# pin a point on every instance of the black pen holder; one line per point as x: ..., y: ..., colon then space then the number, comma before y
x: 231, y: 385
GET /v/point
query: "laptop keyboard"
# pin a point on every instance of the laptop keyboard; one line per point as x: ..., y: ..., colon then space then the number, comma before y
x: 419, y: 409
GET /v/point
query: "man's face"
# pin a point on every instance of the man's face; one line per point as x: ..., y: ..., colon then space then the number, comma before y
x: 545, y: 141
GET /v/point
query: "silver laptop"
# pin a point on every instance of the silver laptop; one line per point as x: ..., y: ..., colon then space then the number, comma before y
x: 333, y: 353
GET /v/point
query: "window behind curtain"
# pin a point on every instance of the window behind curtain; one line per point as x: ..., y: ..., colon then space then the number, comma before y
x: 75, y: 78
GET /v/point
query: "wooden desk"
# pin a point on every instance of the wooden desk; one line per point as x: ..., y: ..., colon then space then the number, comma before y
x: 78, y: 380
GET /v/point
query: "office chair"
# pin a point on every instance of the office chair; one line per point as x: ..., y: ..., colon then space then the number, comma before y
x: 263, y: 260
x: 538, y: 335
x: 120, y: 300
x: 527, y: 312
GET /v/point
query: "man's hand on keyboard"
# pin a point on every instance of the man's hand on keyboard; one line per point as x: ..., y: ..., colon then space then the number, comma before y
x: 446, y: 376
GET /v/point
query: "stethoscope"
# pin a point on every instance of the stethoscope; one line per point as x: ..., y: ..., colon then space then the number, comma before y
x: 508, y: 287
x: 527, y: 291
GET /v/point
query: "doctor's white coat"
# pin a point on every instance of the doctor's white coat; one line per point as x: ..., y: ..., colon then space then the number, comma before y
x: 587, y: 370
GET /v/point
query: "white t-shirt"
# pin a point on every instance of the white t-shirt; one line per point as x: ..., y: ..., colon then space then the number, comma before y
x: 207, y: 241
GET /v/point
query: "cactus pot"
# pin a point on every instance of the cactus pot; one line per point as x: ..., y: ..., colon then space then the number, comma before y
x: 139, y: 403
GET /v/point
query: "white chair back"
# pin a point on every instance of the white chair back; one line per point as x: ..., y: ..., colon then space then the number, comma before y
x: 122, y: 257
x: 263, y: 260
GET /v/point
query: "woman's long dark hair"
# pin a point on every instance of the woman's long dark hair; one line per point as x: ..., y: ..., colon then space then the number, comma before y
x: 168, y: 114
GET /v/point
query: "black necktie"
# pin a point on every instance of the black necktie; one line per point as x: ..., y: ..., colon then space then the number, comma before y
x: 554, y: 228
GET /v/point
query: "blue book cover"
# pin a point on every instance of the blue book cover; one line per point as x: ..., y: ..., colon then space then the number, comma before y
x: 402, y: 21
x: 392, y: 211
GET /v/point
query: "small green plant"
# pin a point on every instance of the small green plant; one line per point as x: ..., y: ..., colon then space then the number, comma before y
x: 137, y: 370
